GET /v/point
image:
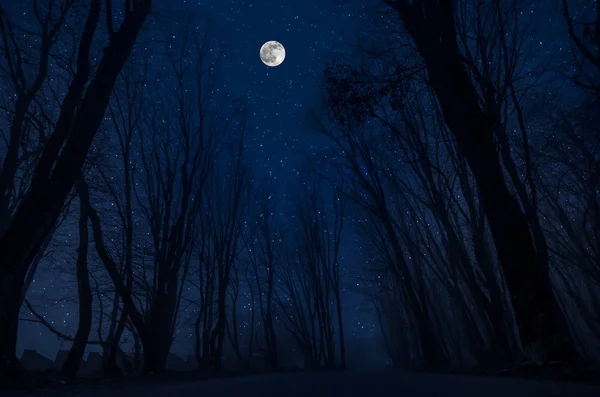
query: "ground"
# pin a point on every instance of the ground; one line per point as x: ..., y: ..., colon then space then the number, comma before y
x: 329, y: 384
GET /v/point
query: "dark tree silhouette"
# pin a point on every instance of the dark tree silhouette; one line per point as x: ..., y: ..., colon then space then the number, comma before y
x: 540, y: 321
x: 261, y: 243
x: 62, y: 158
x: 309, y: 292
x: 72, y: 363
x: 585, y: 36
x: 226, y: 202
x: 236, y: 337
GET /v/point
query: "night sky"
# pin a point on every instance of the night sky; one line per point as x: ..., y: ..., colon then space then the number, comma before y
x: 279, y: 141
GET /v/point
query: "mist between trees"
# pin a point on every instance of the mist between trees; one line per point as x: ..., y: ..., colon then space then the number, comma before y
x: 473, y: 187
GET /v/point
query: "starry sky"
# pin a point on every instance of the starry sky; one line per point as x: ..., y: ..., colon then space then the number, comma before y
x: 279, y: 142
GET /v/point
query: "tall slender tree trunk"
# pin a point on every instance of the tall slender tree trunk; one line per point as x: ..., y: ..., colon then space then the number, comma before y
x: 338, y: 304
x: 11, y: 284
x: 542, y: 326
x: 137, y: 352
x: 157, y: 335
x: 219, y: 331
x: 269, y: 328
x: 110, y: 368
x: 73, y: 361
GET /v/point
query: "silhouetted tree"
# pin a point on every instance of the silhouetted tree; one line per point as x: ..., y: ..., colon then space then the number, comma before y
x: 585, y: 36
x: 72, y: 363
x: 261, y: 244
x: 540, y: 321
x: 64, y: 153
x: 308, y: 295
x: 236, y: 337
x: 225, y: 204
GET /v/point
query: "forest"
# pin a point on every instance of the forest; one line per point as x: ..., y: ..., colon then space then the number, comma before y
x: 471, y: 177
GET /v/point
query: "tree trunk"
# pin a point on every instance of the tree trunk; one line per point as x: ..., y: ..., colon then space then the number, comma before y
x: 110, y: 368
x: 272, y: 350
x: 217, y: 357
x: 157, y: 337
x: 73, y: 361
x: 137, y: 352
x: 338, y: 304
x: 156, y: 354
x: 10, y: 305
x: 125, y: 361
x: 58, y: 170
x: 269, y: 328
x: 541, y: 324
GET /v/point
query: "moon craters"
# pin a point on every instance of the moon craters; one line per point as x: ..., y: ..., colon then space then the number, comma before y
x: 272, y: 53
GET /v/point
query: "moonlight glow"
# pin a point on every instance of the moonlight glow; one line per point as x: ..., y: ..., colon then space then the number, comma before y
x: 272, y: 53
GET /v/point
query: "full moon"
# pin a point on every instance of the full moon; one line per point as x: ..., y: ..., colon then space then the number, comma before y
x: 272, y: 53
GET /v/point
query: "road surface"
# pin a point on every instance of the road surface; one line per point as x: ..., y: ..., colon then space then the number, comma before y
x: 333, y: 384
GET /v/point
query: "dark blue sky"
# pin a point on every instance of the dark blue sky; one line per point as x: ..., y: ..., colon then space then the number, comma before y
x: 313, y: 32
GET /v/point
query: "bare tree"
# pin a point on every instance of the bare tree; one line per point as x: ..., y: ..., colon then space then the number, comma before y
x: 125, y: 110
x: 542, y: 325
x: 569, y: 176
x: 584, y: 34
x: 206, y: 285
x: 241, y: 342
x: 309, y: 295
x: 57, y: 170
x: 178, y: 152
x: 260, y: 244
x: 72, y: 363
x: 225, y: 207
x: 367, y: 177
x: 22, y: 124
